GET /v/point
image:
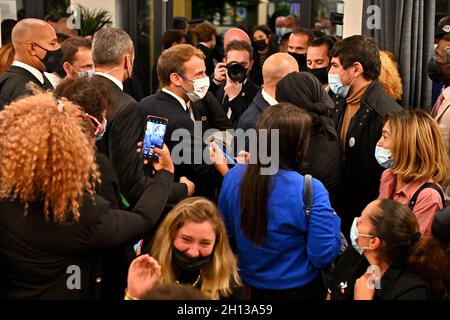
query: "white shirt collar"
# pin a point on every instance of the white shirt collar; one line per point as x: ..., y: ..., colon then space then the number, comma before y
x: 110, y: 77
x: 270, y: 100
x: 205, y: 44
x: 54, y: 79
x: 35, y: 72
x: 181, y: 101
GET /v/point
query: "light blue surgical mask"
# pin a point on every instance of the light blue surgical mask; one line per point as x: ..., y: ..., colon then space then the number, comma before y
x: 384, y: 157
x: 335, y: 82
x: 279, y: 32
x: 354, y: 235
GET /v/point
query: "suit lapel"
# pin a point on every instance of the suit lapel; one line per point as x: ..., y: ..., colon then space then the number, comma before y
x: 168, y: 98
x: 24, y: 73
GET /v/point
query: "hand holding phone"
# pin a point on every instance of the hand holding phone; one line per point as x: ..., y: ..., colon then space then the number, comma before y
x: 155, y: 131
x: 218, y: 147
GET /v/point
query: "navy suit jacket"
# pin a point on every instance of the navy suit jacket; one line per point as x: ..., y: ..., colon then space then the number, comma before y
x: 13, y: 85
x: 205, y: 177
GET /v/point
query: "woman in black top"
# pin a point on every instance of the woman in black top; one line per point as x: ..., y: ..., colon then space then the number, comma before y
x: 263, y: 47
x: 388, y: 259
x: 53, y: 227
x: 323, y: 159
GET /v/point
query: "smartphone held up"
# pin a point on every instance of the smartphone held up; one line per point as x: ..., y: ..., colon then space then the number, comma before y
x: 155, y: 131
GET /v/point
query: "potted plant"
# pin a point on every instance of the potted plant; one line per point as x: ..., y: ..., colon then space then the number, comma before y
x: 93, y: 20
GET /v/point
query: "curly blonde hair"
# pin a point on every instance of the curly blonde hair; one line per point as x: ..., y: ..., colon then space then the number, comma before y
x: 46, y: 155
x: 390, y: 79
x: 221, y: 272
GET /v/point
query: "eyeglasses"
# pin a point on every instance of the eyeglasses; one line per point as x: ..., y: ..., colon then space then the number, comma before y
x: 98, y: 127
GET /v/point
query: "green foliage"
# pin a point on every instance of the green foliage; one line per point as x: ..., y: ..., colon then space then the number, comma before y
x: 283, y: 9
x: 93, y: 20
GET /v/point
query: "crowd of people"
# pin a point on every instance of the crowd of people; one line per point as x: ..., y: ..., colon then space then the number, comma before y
x: 207, y: 217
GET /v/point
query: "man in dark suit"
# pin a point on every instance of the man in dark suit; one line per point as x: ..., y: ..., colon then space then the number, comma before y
x: 37, y: 50
x: 125, y: 127
x: 275, y: 68
x: 236, y: 96
x: 181, y: 72
x: 360, y: 107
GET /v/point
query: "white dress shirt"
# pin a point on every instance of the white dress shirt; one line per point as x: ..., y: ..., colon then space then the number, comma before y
x: 268, y: 98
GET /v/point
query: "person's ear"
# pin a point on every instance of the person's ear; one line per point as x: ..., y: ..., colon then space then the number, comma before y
x: 375, y: 243
x: 31, y: 48
x: 359, y: 70
x: 175, y: 79
x: 128, y: 62
x: 67, y: 68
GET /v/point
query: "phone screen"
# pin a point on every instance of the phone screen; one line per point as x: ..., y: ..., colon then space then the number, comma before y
x: 154, y: 136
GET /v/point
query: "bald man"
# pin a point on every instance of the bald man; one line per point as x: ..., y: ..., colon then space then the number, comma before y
x: 37, y: 50
x: 275, y: 68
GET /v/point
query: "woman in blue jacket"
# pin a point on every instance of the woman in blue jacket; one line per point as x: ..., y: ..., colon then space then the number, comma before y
x: 280, y: 254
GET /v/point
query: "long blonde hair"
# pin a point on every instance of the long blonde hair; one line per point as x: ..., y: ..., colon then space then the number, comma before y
x: 418, y: 148
x: 221, y: 272
x: 46, y: 155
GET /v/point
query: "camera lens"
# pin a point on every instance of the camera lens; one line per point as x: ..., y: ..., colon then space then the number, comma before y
x: 236, y: 72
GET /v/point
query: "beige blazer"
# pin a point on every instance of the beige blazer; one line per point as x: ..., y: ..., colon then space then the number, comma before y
x: 443, y: 119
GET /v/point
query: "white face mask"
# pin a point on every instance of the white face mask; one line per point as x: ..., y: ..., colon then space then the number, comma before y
x: 287, y: 30
x: 201, y: 87
x: 86, y: 74
x: 384, y: 157
x: 354, y: 235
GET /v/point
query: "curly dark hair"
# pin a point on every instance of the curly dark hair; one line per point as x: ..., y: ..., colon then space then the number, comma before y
x: 92, y: 94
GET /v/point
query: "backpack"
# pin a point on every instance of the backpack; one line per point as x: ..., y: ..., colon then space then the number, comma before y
x: 426, y: 185
x: 327, y: 273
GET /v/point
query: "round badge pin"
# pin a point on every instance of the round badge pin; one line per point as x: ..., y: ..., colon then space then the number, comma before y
x: 351, y: 142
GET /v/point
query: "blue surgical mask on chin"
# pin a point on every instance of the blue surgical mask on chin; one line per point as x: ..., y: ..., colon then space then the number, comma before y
x: 335, y: 82
x: 384, y: 157
x: 354, y: 235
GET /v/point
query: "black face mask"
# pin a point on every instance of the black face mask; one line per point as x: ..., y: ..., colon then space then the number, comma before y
x: 260, y: 45
x: 320, y: 73
x: 52, y: 59
x: 301, y: 60
x: 434, y: 71
x: 185, y: 264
